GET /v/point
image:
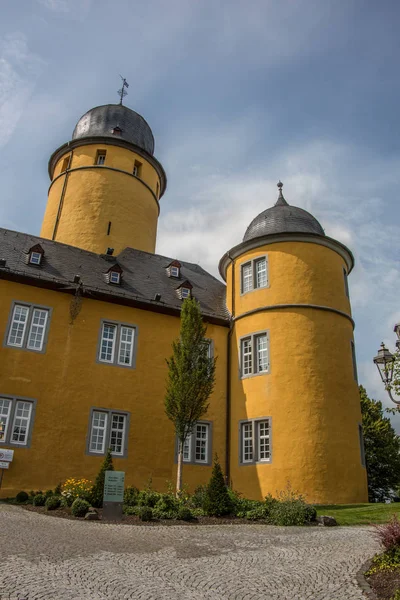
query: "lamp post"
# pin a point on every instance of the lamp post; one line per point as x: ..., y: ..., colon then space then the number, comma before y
x: 384, y: 361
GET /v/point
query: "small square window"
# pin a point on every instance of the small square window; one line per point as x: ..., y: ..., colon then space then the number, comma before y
x: 115, y: 277
x: 174, y: 271
x: 101, y: 157
x: 185, y: 292
x: 35, y: 258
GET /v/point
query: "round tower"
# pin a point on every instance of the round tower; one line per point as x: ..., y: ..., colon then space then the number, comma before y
x: 295, y: 415
x: 105, y: 184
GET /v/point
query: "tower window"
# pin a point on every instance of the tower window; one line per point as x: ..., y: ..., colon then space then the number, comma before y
x: 101, y: 157
x: 137, y: 169
x: 255, y: 441
x: 346, y: 283
x: 65, y: 164
x: 353, y: 356
x: 254, y: 355
x: 254, y: 274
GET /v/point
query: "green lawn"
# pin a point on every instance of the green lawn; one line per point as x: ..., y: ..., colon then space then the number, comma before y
x: 360, y: 514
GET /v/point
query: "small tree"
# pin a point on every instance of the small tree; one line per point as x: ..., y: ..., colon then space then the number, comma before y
x: 97, y: 492
x: 191, y: 377
x: 217, y: 501
x: 382, y: 449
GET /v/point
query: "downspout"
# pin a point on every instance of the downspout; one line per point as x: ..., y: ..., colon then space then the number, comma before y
x: 61, y: 202
x: 228, y: 383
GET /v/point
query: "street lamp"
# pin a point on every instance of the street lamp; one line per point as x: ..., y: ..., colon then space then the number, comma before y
x: 384, y: 361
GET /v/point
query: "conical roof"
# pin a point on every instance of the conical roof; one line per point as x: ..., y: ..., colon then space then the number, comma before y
x: 282, y: 218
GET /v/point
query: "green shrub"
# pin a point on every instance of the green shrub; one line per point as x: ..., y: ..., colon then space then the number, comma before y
x: 97, y: 491
x: 131, y: 510
x: 217, y: 501
x: 131, y: 496
x: 197, y: 500
x: 166, y: 507
x: 146, y: 513
x: 39, y: 500
x: 48, y: 493
x: 387, y: 561
x: 258, y: 513
x: 148, y: 498
x: 185, y: 514
x: 21, y: 497
x: 58, y: 489
x: 65, y: 502
x: 80, y: 507
x: 396, y: 595
x: 310, y: 513
x: 197, y: 512
x: 53, y: 502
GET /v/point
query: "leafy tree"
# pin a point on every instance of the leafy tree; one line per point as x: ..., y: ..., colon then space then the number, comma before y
x: 191, y: 377
x: 217, y: 501
x: 382, y: 449
x: 97, y: 491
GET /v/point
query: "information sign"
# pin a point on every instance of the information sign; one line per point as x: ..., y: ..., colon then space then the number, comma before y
x: 114, y: 486
x: 6, y: 455
x: 4, y: 465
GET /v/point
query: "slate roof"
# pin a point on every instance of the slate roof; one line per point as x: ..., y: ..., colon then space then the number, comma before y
x: 144, y: 275
x: 101, y: 120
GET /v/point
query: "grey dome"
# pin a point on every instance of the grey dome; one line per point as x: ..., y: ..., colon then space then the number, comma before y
x: 130, y: 126
x: 282, y: 218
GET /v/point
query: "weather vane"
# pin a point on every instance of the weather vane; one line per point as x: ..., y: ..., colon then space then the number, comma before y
x: 122, y: 92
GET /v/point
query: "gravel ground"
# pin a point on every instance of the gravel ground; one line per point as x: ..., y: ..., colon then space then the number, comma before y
x: 46, y: 558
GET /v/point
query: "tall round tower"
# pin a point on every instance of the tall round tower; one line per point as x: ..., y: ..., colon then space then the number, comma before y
x: 295, y: 413
x: 105, y: 184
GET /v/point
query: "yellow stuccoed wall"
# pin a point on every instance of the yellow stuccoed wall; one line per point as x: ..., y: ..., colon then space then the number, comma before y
x: 91, y: 196
x: 310, y: 394
x: 67, y: 381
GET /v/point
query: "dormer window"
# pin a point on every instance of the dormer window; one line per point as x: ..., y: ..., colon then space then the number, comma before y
x: 115, y: 277
x: 185, y: 290
x: 117, y: 130
x: 35, y: 255
x: 174, y: 269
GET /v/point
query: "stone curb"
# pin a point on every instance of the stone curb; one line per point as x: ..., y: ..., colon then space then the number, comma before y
x: 363, y: 583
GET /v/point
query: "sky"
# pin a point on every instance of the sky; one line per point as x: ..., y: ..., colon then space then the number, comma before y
x: 239, y: 94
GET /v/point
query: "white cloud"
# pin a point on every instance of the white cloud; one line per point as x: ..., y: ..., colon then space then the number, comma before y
x: 76, y: 8
x: 19, y: 71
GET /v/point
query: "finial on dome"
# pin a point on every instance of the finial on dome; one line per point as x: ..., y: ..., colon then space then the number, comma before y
x: 122, y: 92
x: 281, y: 200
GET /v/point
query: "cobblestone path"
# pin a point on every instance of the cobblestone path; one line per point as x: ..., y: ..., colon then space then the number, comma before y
x: 46, y: 558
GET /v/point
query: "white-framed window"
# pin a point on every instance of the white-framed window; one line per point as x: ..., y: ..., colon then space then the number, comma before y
x: 101, y: 157
x: 28, y: 327
x: 254, y: 354
x: 197, y: 446
x: 115, y: 277
x: 254, y: 274
x: 174, y: 271
x: 117, y: 344
x: 185, y: 292
x: 35, y: 258
x: 108, y: 429
x: 16, y: 420
x: 255, y: 441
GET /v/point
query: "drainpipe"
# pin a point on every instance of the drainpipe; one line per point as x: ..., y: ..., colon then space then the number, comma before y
x: 228, y: 382
x: 61, y: 202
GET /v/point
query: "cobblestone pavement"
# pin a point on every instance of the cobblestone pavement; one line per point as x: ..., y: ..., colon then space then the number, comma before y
x: 46, y: 558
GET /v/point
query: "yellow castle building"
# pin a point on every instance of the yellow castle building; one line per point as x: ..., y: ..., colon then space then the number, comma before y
x: 88, y: 313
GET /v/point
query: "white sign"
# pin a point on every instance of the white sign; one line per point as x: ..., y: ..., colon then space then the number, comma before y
x: 6, y: 455
x: 4, y: 465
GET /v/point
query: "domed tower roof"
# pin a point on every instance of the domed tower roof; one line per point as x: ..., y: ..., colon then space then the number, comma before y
x: 115, y: 120
x: 282, y: 218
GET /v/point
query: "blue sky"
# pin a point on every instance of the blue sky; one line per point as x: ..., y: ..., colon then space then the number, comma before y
x: 238, y: 95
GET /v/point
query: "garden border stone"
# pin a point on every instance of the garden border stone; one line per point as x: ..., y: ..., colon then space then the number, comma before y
x: 362, y: 581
